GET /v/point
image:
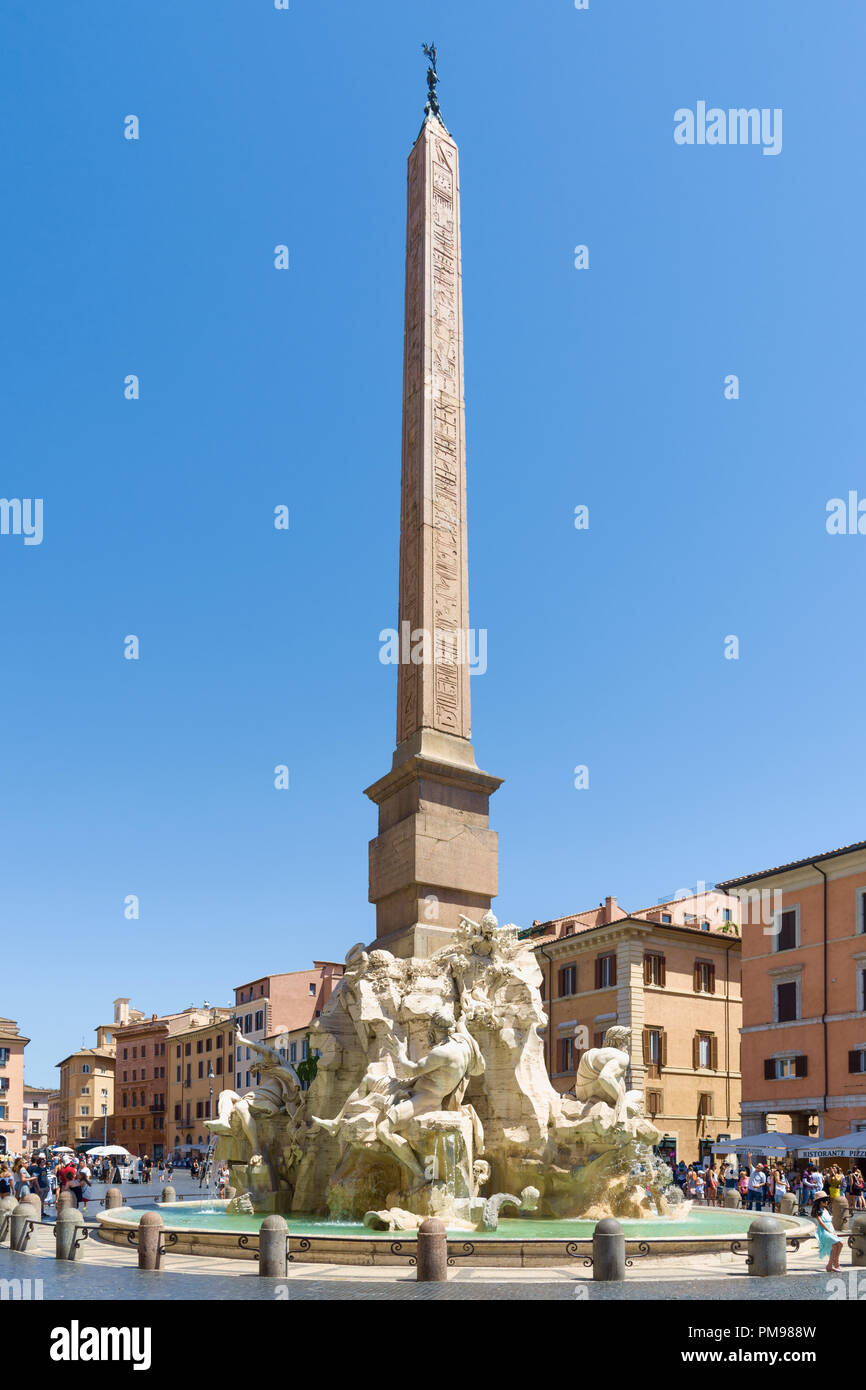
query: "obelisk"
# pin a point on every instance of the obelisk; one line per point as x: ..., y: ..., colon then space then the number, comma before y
x: 435, y: 857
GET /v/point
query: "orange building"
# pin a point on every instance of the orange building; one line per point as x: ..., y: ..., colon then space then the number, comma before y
x: 12, y: 1046
x: 276, y: 1004
x: 804, y: 993
x: 200, y: 1063
x: 671, y: 975
x: 86, y: 1099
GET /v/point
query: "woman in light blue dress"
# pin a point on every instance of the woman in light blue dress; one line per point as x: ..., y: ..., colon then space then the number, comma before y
x: 828, y: 1241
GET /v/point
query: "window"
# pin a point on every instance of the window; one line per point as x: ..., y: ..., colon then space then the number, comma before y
x: 208, y: 1047
x: 305, y: 1049
x: 199, y: 1109
x: 566, y: 1054
x: 861, y: 989
x: 705, y: 926
x: 705, y: 1104
x: 219, y: 1041
x: 200, y: 1070
x: 655, y: 1049
x: 666, y: 918
x: 177, y: 1114
x: 103, y: 1091
x: 126, y: 1054
x: 187, y: 1049
x: 124, y: 1100
x: 654, y: 969
x: 177, y: 1050
x: 787, y: 1001
x: 598, y: 1039
x: 312, y: 989
x: 705, y: 1051
x: 861, y: 911
x: 85, y: 1110
x: 568, y: 984
x: 238, y: 1081
x: 4, y: 1056
x: 705, y: 977
x: 787, y: 926
x: 85, y: 1090
x: 103, y: 1110
x: 199, y: 1047
x: 784, y: 1068
x: 219, y: 1066
x: 260, y: 1018
x: 569, y: 929
x: 857, y: 1059
x: 177, y: 1073
x: 654, y: 1102
x: 727, y: 914
x: 605, y: 971
x: 85, y: 1067
x: 293, y: 1052
x: 248, y: 1023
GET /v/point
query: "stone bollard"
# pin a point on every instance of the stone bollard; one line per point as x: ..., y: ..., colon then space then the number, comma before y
x: 169, y: 1194
x: 732, y: 1197
x: 839, y: 1213
x: 150, y: 1230
x: 7, y: 1206
x: 35, y: 1202
x: 767, y: 1248
x: 68, y: 1238
x: 64, y: 1201
x: 608, y: 1250
x: 231, y: 1192
x: 23, y: 1224
x: 788, y: 1205
x: 113, y: 1198
x: 273, y: 1248
x: 432, y: 1252
x: 858, y: 1238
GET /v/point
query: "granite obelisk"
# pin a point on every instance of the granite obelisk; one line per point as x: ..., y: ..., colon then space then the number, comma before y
x: 435, y: 856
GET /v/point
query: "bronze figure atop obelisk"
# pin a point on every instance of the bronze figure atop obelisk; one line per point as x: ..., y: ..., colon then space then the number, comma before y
x: 435, y: 857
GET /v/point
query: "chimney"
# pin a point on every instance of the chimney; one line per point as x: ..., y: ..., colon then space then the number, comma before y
x: 611, y: 910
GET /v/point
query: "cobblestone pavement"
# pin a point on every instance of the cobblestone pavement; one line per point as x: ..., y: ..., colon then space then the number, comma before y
x: 110, y: 1272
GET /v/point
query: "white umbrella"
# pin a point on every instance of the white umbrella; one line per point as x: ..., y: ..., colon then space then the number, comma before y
x: 63, y: 1149
x: 109, y: 1151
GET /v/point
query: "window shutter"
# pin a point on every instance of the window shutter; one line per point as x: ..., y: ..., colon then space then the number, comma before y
x: 663, y: 1048
x: 801, y: 1066
x: 770, y: 1069
x: 646, y: 1047
x: 712, y: 979
x: 696, y: 978
x: 598, y: 972
x: 854, y: 1059
x: 613, y: 970
x: 714, y: 1052
x: 696, y: 1051
x: 646, y: 970
x: 661, y: 971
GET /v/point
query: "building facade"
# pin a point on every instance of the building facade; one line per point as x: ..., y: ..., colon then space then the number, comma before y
x: 86, y: 1097
x: 200, y: 1065
x: 12, y: 1045
x: 147, y: 1092
x: 671, y: 975
x: 804, y: 994
x: 277, y: 1004
x: 36, y: 1103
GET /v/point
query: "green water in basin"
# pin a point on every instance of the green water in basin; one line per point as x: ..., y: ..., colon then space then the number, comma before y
x: 704, y: 1221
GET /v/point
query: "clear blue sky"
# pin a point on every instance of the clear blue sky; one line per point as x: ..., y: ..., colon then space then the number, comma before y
x: 259, y: 387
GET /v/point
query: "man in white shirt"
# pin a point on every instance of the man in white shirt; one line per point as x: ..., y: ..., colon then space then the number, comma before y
x: 757, y: 1184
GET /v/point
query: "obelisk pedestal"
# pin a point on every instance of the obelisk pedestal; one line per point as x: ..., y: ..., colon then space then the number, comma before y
x: 435, y: 857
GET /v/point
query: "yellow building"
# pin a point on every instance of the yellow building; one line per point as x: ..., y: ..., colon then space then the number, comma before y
x: 671, y: 975
x: 12, y: 1046
x: 199, y: 1066
x: 86, y: 1101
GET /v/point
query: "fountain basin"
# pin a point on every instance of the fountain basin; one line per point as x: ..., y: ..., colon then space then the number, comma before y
x: 522, y: 1242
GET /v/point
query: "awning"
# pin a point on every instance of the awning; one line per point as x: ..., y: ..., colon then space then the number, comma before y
x: 768, y: 1143
x: 843, y: 1146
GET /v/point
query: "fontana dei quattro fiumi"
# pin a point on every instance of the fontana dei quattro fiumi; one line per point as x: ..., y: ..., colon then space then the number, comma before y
x: 431, y: 1096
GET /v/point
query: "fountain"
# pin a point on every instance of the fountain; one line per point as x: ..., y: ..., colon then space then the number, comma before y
x: 431, y: 1098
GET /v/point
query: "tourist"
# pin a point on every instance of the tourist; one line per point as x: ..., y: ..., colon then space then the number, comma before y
x: 148, y: 1169
x: 757, y: 1188
x: 743, y: 1185
x: 780, y: 1188
x: 74, y: 1184
x: 222, y: 1180
x: 7, y: 1181
x: 856, y: 1198
x: 828, y: 1241
x: 700, y: 1188
x: 160, y: 1168
x: 22, y: 1179
x: 712, y: 1187
x: 43, y: 1185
